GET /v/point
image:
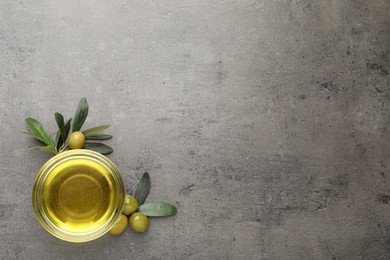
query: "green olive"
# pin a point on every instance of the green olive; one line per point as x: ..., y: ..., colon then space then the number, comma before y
x: 131, y: 205
x: 76, y: 140
x: 119, y: 226
x: 139, y: 222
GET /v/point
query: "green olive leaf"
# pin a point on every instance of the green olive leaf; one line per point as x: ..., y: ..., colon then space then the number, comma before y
x: 39, y: 132
x: 97, y: 137
x: 143, y: 189
x: 67, y: 128
x: 80, y: 115
x: 95, y: 129
x: 60, y: 141
x: 61, y: 125
x: 44, y: 148
x: 98, y: 147
x: 158, y: 209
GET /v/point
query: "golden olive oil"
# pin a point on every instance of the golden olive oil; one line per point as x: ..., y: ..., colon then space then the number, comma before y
x: 78, y: 195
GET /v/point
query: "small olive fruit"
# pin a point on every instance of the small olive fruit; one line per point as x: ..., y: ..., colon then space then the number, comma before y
x: 139, y: 222
x: 76, y: 140
x: 119, y: 226
x: 131, y: 205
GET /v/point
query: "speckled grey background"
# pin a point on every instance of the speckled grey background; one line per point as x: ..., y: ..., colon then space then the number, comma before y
x: 266, y: 122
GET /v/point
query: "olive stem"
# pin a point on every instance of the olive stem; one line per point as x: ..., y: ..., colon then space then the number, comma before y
x: 63, y: 149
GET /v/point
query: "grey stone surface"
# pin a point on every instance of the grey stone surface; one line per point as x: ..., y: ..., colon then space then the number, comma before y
x: 266, y: 122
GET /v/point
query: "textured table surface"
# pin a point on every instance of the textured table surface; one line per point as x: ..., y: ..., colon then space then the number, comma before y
x: 265, y: 122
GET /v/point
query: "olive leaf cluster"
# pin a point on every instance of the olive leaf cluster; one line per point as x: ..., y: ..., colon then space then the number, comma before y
x: 59, y: 143
x: 151, y: 209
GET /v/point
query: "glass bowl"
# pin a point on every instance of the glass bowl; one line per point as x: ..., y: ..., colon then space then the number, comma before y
x: 78, y: 195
